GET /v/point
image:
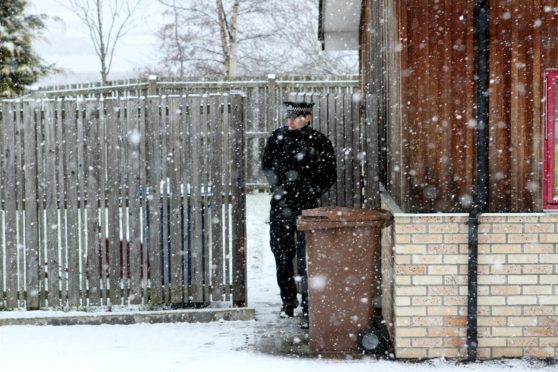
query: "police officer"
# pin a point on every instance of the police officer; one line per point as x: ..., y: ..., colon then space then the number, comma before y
x: 299, y: 164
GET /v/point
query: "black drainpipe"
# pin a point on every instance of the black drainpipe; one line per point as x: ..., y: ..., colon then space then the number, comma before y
x: 480, y: 203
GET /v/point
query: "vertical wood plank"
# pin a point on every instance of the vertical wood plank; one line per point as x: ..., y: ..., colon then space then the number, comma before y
x: 227, y: 159
x: 238, y: 204
x: 338, y: 119
x: 349, y: 152
x: 91, y: 147
x: 355, y: 101
x: 114, y: 200
x: 51, y: 207
x: 31, y: 218
x: 101, y: 172
x: 217, y: 267
x: 322, y: 126
x: 123, y: 247
x: 372, y: 191
x: 20, y: 197
x: 187, y: 175
x: 82, y: 195
x: 153, y: 205
x: 534, y: 185
x: 70, y: 107
x: 143, y: 165
x: 61, y: 196
x: 134, y: 207
x: 165, y: 207
x: 205, y: 162
x: 196, y: 238
x: 41, y: 199
x: 332, y: 133
x: 177, y: 245
x: 10, y: 205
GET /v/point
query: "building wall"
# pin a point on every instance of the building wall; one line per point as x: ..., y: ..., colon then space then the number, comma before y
x: 424, y: 74
x: 517, y: 293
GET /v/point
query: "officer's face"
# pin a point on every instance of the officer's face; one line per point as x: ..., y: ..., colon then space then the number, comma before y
x: 299, y: 122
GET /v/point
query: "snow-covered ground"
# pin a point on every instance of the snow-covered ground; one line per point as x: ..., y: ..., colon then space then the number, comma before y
x: 219, y: 346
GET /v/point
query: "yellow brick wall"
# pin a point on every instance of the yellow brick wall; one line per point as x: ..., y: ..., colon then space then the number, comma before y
x: 517, y: 292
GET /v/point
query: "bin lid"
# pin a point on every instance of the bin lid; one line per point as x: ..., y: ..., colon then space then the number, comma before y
x: 346, y: 214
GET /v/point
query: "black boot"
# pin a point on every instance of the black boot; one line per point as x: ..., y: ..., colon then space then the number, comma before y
x: 287, y: 310
x: 304, y: 322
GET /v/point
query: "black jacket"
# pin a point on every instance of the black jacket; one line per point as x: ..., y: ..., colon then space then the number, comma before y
x: 299, y: 166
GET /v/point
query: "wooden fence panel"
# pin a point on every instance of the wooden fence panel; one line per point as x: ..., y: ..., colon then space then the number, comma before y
x: 82, y: 195
x: 101, y: 172
x: 262, y: 109
x: 238, y: 202
x: 371, y: 187
x: 207, y: 196
x: 196, y: 208
x: 20, y: 196
x: 10, y: 212
x: 72, y: 207
x: 31, y: 217
x: 153, y: 203
x: 216, y: 217
x: 357, y: 150
x: 227, y: 166
x: 165, y: 217
x: 112, y: 241
x: 175, y: 202
x: 123, y: 251
x: 92, y: 233
x: 189, y: 183
x: 86, y: 190
x: 51, y: 207
x: 133, y: 243
x: 61, y: 177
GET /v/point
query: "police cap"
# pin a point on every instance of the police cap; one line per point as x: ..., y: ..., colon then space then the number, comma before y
x: 295, y: 109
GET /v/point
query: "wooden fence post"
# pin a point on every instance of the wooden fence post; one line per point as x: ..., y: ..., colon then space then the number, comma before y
x: 177, y: 280
x: 238, y: 204
x: 272, y: 116
x: 133, y: 140
x: 153, y: 204
x: 10, y: 249
x: 91, y: 178
x: 72, y: 208
x: 152, y: 85
x: 51, y: 207
x: 31, y: 217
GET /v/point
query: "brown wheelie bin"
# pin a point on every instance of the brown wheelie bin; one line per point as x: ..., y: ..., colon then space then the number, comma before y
x: 341, y: 245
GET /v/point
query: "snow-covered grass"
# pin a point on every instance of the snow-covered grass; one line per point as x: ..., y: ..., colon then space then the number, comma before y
x: 219, y: 346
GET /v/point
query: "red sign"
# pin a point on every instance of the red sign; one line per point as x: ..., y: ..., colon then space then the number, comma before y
x: 550, y: 149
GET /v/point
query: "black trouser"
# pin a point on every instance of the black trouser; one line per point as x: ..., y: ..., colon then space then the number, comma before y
x: 286, y: 243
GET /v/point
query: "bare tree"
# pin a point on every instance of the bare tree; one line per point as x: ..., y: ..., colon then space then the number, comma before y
x: 296, y: 23
x: 208, y: 38
x: 173, y: 42
x: 247, y: 37
x: 107, y: 22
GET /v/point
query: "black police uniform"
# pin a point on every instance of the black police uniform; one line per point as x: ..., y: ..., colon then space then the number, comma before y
x: 300, y: 166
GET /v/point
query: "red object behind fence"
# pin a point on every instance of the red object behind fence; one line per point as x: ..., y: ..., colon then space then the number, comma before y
x: 121, y: 250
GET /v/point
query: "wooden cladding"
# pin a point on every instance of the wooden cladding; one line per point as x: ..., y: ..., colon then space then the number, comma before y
x: 437, y: 113
x: 429, y: 120
x: 524, y: 37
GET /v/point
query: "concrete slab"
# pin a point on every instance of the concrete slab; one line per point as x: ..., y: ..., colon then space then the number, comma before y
x: 132, y: 317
